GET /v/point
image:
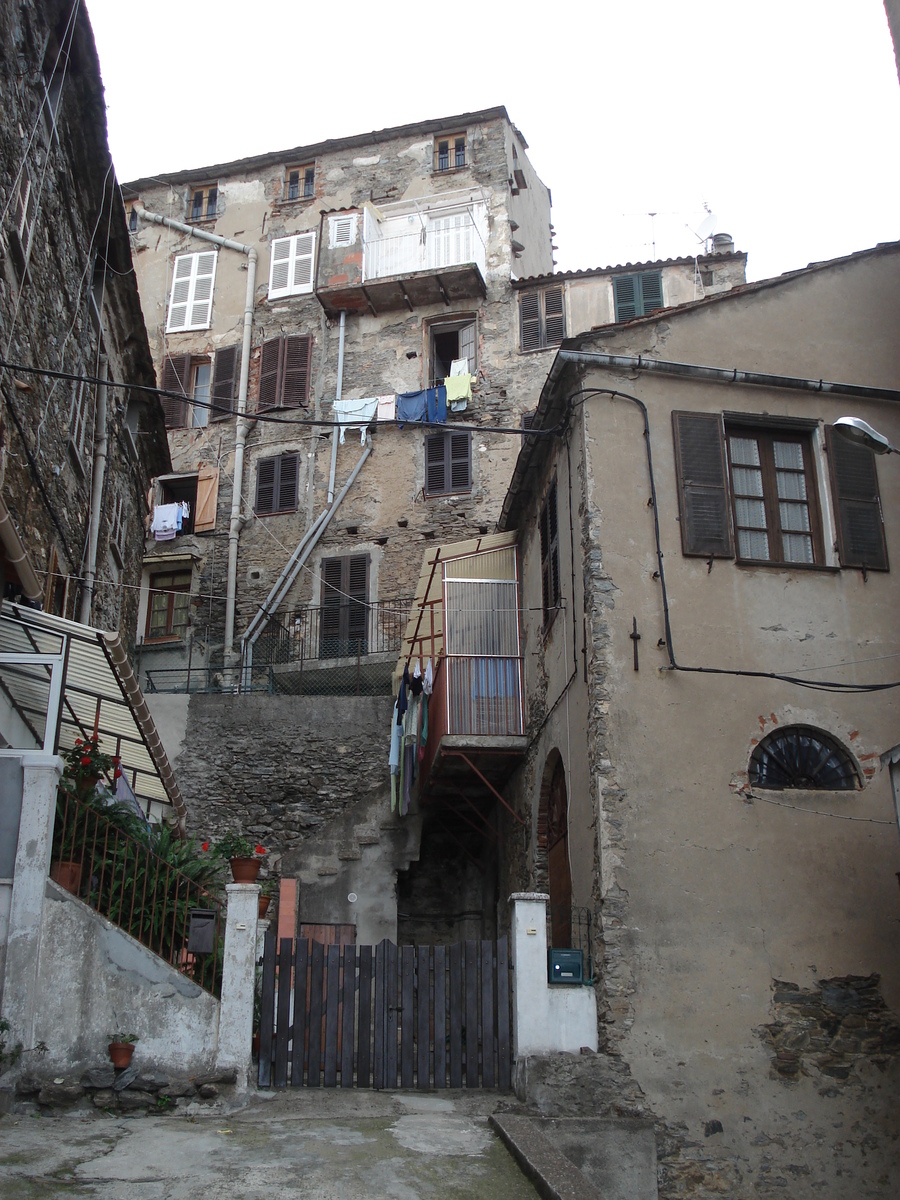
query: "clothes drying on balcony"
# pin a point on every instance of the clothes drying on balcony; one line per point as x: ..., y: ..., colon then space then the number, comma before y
x: 394, y: 756
x: 387, y: 408
x: 429, y: 404
x: 459, y: 390
x: 166, y: 523
x: 355, y: 414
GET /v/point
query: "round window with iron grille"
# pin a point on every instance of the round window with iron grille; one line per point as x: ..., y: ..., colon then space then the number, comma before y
x: 798, y: 756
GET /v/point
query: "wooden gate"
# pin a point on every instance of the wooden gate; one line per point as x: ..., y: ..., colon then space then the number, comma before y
x: 385, y: 1016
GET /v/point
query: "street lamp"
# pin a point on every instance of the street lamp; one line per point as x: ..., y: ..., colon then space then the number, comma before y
x: 854, y: 429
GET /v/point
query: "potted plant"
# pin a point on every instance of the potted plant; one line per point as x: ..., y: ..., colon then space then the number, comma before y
x: 85, y: 763
x: 269, y: 891
x: 121, y: 1049
x: 241, y: 854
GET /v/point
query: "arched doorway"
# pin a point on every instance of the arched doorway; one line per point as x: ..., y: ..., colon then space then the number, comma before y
x: 560, y: 877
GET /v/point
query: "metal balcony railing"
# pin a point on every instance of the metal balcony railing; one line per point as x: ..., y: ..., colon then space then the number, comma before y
x: 444, y: 242
x: 348, y: 629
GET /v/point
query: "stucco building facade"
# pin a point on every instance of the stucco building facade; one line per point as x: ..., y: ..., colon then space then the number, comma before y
x: 709, y: 602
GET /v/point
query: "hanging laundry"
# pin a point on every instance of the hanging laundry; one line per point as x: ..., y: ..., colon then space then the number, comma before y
x: 394, y: 757
x: 459, y: 391
x: 411, y: 406
x: 166, y: 521
x: 387, y: 408
x: 459, y: 366
x: 428, y: 682
x: 403, y: 698
x: 355, y: 414
x: 436, y: 405
x: 416, y: 683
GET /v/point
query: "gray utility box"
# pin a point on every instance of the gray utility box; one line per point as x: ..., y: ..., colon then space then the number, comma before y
x: 202, y: 931
x: 565, y: 966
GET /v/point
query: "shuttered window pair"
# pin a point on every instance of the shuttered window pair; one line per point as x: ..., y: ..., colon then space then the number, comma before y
x: 291, y: 266
x: 751, y: 493
x: 183, y: 377
x: 191, y: 299
x: 637, y: 295
x: 284, y: 372
x: 276, y: 484
x: 550, y: 588
x: 448, y: 463
x: 344, y: 622
x: 542, y: 320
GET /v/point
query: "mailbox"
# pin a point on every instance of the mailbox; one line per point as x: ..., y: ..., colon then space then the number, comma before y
x: 565, y: 966
x: 202, y: 931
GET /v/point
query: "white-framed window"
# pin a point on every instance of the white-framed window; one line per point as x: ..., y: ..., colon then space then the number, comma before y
x: 117, y: 529
x: 291, y: 268
x: 190, y: 304
x: 342, y: 230
x: 79, y: 412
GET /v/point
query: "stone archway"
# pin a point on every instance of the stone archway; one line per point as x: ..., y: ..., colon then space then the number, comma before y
x: 552, y: 869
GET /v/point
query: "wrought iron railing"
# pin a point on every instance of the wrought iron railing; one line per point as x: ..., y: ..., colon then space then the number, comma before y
x: 350, y: 629
x: 570, y: 928
x: 120, y: 877
x: 189, y: 679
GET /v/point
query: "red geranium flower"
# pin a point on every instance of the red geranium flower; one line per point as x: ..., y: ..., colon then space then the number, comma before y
x: 260, y: 849
x: 205, y: 846
x: 86, y: 762
x: 78, y: 741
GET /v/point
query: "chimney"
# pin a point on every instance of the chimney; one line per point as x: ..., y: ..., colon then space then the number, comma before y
x: 723, y: 243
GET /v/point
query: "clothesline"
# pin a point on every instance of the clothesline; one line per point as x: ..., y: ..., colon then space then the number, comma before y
x: 427, y: 405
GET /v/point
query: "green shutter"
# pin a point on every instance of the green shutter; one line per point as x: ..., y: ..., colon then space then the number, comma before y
x: 625, y: 297
x: 651, y: 292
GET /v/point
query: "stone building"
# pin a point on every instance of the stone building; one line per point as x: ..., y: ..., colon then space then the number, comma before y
x: 709, y: 647
x: 76, y: 455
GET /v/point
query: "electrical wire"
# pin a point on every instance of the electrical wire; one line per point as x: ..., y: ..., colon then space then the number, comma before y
x: 818, y: 812
x: 822, y: 685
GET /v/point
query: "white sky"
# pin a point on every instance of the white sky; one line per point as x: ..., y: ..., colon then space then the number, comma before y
x: 778, y: 114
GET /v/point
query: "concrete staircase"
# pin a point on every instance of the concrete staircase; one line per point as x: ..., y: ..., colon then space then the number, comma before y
x: 358, y: 854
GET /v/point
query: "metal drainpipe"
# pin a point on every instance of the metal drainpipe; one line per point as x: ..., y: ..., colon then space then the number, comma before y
x: 243, y: 424
x: 90, y: 574
x: 337, y: 395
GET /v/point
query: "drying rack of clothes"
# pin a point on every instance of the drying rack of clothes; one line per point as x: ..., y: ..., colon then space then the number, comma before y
x: 426, y: 405
x: 409, y: 734
x: 168, y: 519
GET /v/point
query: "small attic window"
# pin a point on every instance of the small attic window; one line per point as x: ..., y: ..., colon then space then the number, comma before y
x: 799, y: 756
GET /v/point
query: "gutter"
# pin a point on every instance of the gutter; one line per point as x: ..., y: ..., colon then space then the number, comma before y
x: 243, y: 424
x: 18, y: 556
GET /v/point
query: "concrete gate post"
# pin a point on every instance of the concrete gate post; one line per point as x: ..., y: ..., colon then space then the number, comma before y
x: 40, y: 778
x: 238, y: 979
x: 547, y: 1018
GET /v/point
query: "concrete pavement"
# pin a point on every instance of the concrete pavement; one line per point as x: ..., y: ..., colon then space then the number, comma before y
x: 327, y: 1145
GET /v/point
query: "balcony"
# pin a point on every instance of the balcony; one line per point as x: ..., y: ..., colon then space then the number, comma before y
x: 465, y: 618
x: 409, y: 255
x: 348, y: 648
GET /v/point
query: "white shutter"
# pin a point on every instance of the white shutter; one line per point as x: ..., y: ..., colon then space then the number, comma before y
x: 291, y: 268
x: 342, y: 231
x: 451, y: 240
x: 190, y: 304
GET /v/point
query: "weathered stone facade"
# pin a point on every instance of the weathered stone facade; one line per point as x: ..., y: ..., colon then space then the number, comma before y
x: 68, y: 301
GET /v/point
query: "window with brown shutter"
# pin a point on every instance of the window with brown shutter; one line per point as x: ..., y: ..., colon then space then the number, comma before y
x: 176, y: 378
x: 276, y: 484
x: 344, y: 623
x: 284, y: 372
x: 702, y: 484
x: 448, y: 463
x: 542, y: 320
x: 224, y: 375
x: 857, y: 502
x: 549, y: 527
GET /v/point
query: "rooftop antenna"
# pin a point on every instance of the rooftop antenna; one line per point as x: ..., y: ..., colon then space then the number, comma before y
x: 706, y: 228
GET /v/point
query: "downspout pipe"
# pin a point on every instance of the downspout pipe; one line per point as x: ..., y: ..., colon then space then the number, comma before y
x: 291, y: 572
x: 714, y: 374
x: 243, y: 423
x: 17, y: 556
x: 338, y: 391
x: 100, y: 446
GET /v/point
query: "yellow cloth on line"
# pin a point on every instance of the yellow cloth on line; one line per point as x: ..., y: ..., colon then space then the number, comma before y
x: 459, y: 387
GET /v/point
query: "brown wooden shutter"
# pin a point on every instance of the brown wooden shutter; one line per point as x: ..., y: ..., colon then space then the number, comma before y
x: 331, y: 604
x: 460, y: 462
x: 295, y: 371
x: 435, y: 473
x: 703, y: 499
x: 265, y: 485
x: 207, y: 497
x: 854, y: 485
x: 358, y: 592
x: 529, y: 321
x: 554, y: 316
x: 223, y: 383
x: 176, y: 376
x: 270, y: 373
x: 287, y: 482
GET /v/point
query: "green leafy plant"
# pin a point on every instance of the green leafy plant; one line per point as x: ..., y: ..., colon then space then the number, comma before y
x: 269, y: 887
x: 85, y: 764
x: 7, y: 1057
x: 124, y: 1038
x: 233, y: 845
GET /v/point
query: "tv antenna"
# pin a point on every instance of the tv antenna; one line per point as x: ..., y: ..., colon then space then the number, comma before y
x: 706, y: 228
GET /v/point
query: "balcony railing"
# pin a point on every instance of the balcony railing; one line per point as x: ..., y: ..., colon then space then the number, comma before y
x: 449, y: 242
x: 350, y: 629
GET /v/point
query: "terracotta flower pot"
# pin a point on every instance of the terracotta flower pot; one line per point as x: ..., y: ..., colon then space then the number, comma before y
x: 264, y: 902
x: 67, y: 874
x: 245, y: 870
x: 121, y: 1054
